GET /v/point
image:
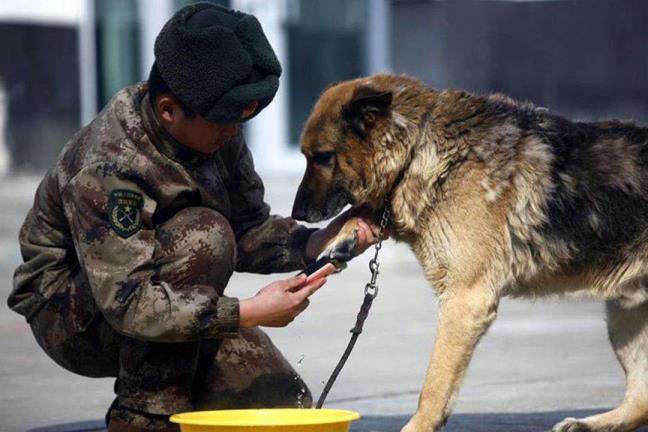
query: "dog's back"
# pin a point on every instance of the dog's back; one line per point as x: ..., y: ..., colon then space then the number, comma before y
x: 596, y: 200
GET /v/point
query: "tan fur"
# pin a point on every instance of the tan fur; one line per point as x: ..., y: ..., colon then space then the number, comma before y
x: 471, y: 189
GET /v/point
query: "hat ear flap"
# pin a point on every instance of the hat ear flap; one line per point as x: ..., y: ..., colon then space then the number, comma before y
x: 365, y: 107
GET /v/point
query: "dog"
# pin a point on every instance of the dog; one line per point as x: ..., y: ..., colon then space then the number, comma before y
x: 495, y: 198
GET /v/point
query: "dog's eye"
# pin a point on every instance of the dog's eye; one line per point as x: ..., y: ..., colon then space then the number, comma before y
x: 323, y: 158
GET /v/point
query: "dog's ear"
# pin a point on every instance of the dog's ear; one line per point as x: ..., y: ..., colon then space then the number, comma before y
x: 366, y: 104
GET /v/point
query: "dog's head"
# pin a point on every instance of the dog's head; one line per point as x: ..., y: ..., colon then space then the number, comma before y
x: 339, y: 142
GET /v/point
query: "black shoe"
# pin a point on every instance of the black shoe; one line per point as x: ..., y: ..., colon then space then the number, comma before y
x: 126, y: 420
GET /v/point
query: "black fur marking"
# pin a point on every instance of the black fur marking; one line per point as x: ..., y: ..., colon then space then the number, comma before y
x: 343, y: 132
x: 477, y: 113
x: 622, y: 214
x: 336, y: 200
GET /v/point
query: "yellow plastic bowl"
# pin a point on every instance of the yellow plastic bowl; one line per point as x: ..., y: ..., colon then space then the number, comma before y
x: 262, y: 420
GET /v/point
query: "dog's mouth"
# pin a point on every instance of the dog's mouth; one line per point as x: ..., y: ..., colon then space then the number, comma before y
x: 304, y: 209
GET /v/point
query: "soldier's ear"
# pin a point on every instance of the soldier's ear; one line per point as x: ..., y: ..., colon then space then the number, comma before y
x: 168, y: 109
x: 365, y: 107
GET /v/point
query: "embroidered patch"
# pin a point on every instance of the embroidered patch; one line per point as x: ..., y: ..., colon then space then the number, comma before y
x: 125, y: 211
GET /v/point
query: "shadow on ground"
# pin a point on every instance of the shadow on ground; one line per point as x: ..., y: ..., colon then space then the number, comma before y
x: 519, y: 422
x: 88, y: 426
x: 501, y: 422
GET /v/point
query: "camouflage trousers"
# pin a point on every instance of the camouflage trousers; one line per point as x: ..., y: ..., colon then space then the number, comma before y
x: 166, y: 378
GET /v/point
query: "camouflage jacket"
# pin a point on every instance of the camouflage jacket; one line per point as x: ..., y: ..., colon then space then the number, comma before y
x: 126, y: 156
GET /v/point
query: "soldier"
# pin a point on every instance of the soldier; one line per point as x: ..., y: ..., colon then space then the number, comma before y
x: 150, y: 208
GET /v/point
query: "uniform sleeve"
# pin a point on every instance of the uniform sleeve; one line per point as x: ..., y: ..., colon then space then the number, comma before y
x: 266, y: 243
x: 111, y: 222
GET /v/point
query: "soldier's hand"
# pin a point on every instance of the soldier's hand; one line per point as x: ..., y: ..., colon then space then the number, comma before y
x: 367, y: 234
x: 278, y: 304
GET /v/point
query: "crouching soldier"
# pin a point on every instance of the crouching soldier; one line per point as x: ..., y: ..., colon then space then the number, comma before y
x: 137, y: 229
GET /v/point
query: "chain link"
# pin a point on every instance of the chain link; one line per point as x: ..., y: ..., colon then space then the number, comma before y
x: 371, y: 288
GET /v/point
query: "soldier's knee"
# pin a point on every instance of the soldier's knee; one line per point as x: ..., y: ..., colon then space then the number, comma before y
x: 200, y: 238
x: 212, y: 227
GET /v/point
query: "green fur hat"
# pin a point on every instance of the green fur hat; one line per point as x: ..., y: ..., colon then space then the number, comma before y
x: 218, y: 62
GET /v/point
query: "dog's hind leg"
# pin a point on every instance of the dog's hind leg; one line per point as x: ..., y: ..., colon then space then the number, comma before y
x: 628, y: 330
x: 464, y: 317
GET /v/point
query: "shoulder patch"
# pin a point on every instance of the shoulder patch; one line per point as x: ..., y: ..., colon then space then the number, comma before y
x: 125, y: 211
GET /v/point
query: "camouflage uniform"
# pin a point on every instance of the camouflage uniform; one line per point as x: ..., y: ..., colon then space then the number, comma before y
x: 127, y: 251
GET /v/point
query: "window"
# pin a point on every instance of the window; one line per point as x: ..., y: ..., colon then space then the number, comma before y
x: 118, y: 47
x: 326, y: 42
x: 40, y: 90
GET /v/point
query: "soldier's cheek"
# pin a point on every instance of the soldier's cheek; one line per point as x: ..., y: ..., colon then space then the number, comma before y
x: 227, y: 132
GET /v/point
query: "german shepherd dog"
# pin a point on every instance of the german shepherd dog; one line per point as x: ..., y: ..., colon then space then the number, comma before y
x: 495, y: 198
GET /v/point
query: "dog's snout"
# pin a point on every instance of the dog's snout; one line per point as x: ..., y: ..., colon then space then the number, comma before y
x: 299, y: 214
x: 302, y: 200
x: 299, y: 211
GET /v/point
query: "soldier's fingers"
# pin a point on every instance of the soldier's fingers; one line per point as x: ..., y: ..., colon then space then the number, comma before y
x: 375, y: 227
x: 309, y: 289
x: 361, y: 235
x: 366, y: 238
x: 294, y: 282
x: 327, y: 270
x: 369, y: 234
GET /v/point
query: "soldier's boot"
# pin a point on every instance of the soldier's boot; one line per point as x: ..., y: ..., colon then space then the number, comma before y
x: 124, y: 420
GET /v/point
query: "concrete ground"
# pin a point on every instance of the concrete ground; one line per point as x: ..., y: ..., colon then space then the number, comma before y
x: 540, y: 362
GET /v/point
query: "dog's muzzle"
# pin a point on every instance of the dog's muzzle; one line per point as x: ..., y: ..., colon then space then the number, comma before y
x: 300, y: 211
x: 305, y: 209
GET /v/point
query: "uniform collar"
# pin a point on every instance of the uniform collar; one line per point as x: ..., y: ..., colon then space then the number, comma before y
x: 164, y: 141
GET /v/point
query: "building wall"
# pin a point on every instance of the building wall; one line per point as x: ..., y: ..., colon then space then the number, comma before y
x: 584, y: 58
x: 60, y: 65
x: 39, y: 69
x: 41, y: 98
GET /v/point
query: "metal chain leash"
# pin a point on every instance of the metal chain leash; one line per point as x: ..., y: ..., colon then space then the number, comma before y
x: 374, y: 265
x: 371, y: 291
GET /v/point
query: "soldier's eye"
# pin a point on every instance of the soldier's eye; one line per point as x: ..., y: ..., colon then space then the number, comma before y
x: 323, y: 158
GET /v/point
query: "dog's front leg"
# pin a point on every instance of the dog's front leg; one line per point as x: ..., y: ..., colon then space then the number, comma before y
x: 343, y: 247
x: 464, y: 317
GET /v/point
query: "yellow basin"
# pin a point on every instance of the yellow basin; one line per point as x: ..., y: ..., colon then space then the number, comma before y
x: 262, y: 420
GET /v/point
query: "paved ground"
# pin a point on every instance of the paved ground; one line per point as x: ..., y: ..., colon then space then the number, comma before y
x: 540, y: 362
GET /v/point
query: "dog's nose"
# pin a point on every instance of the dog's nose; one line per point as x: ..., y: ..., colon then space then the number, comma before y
x: 299, y: 211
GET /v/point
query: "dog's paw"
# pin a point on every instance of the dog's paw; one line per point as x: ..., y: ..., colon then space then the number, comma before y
x: 344, y: 249
x: 419, y: 424
x: 571, y: 424
x: 410, y: 427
